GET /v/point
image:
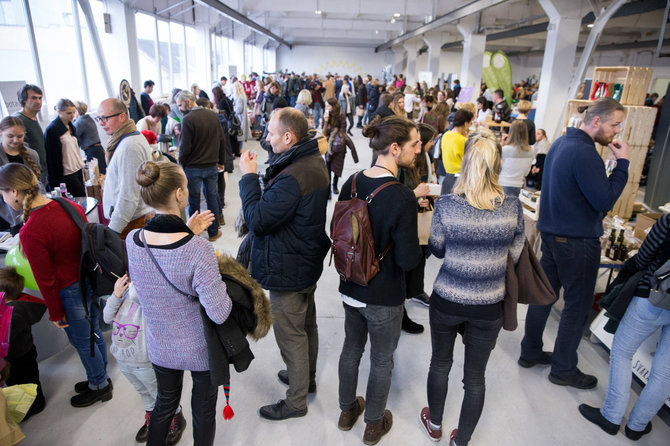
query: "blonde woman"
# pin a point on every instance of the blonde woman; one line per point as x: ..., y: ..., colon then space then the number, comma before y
x: 464, y: 296
x: 240, y: 109
x: 398, y: 104
x: 303, y: 102
x: 523, y: 108
x: 517, y: 159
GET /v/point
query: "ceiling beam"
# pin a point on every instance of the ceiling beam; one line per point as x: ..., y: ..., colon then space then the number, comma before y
x: 458, y: 13
x: 229, y: 12
x: 599, y: 48
x: 633, y: 8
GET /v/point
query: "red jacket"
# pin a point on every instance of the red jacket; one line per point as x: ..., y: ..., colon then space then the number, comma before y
x: 52, y: 244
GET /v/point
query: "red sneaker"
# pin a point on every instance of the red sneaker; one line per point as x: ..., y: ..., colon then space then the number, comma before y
x: 424, y: 418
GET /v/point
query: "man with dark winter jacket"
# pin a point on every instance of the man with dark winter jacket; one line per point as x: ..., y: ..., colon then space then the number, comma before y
x: 287, y: 222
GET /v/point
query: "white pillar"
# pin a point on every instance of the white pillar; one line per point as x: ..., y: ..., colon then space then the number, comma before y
x: 434, y: 42
x: 558, y: 63
x: 398, y: 59
x: 412, y: 47
x: 474, y: 45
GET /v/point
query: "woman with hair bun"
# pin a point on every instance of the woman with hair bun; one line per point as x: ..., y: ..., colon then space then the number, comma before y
x: 64, y: 161
x: 467, y: 298
x: 175, y: 339
x: 51, y: 242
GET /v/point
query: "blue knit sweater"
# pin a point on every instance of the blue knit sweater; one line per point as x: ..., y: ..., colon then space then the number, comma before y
x: 576, y: 192
x: 474, y: 244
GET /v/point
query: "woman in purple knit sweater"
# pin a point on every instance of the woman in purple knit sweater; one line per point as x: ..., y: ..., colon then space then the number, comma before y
x: 175, y: 336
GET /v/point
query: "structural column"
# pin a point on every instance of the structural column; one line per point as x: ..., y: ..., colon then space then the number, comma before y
x: 474, y: 45
x: 412, y: 47
x: 434, y: 42
x: 398, y: 59
x: 558, y: 62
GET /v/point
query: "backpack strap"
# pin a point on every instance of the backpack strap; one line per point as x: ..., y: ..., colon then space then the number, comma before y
x: 379, y: 189
x: 71, y: 211
x: 369, y: 199
x: 160, y: 270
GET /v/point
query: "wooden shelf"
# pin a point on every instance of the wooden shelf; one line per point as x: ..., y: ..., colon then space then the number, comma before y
x: 634, y: 80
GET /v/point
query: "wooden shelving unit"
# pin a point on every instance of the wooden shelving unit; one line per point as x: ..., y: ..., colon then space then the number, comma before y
x: 636, y: 128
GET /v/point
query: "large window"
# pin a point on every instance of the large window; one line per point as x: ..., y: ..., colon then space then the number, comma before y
x: 146, y: 46
x: 97, y: 90
x: 178, y: 57
x: 196, y: 59
x: 57, y: 47
x: 165, y: 57
x: 17, y: 61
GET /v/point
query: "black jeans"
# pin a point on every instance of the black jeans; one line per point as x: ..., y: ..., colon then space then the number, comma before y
x: 203, y: 406
x: 479, y: 337
x: 75, y: 183
x: 350, y: 117
x: 571, y: 263
x: 24, y: 370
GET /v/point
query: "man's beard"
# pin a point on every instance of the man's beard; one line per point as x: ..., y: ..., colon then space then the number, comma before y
x: 602, y: 140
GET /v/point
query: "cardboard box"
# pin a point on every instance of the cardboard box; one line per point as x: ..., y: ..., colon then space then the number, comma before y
x: 645, y: 221
x: 94, y: 192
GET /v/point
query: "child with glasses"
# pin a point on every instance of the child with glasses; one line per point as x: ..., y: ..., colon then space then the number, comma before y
x: 129, y: 347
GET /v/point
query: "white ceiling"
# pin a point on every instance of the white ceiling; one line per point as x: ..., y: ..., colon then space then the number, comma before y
x: 369, y: 23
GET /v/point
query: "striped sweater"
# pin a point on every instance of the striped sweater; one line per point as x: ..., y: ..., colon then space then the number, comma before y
x: 653, y: 253
x: 474, y: 244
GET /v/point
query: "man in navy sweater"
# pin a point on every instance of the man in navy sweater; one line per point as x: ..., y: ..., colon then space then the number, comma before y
x: 576, y: 195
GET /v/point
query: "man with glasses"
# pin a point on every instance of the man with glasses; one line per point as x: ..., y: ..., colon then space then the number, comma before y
x: 126, y: 150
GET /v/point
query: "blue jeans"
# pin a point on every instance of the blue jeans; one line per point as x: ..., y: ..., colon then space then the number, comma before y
x: 207, y: 177
x: 318, y: 114
x: 641, y: 320
x: 479, y: 337
x: 143, y: 380
x: 291, y: 100
x: 382, y: 323
x: 79, y: 334
x: 511, y: 191
x: 571, y: 263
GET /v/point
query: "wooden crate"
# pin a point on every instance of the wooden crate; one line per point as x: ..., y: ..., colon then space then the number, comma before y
x: 635, y: 82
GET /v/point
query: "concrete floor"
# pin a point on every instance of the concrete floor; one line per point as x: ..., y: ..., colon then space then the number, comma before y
x: 522, y: 406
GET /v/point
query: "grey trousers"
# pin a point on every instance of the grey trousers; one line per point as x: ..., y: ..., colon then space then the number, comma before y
x: 294, y: 322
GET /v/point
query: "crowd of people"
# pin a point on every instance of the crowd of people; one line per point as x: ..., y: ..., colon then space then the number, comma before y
x: 422, y: 139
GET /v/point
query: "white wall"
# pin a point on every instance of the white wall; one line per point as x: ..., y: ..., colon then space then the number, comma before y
x: 341, y: 60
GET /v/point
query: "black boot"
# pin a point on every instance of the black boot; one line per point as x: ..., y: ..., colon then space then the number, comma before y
x: 409, y: 325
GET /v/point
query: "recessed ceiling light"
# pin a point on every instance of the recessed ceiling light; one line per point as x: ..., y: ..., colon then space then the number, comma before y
x: 393, y: 20
x: 396, y: 15
x: 590, y: 25
x: 376, y: 31
x: 317, y: 12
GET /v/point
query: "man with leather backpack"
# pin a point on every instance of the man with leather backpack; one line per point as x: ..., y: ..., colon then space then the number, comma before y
x: 377, y: 308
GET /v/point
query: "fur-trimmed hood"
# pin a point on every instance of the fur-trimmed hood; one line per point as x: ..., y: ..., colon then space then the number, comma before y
x: 232, y: 270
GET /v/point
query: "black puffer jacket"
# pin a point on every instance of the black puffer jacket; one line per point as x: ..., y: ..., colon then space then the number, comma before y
x: 288, y: 220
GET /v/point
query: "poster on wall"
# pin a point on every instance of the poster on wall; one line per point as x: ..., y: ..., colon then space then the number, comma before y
x: 8, y: 93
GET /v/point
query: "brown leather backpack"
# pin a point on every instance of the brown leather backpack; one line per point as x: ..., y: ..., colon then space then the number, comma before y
x: 353, y: 246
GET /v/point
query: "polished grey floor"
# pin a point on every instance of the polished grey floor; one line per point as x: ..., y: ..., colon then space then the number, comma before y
x: 522, y: 406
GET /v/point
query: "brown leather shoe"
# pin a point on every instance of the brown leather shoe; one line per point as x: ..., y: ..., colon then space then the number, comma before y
x: 375, y: 432
x: 348, y: 417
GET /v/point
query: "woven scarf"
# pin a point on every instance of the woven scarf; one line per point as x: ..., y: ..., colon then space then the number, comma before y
x: 126, y: 127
